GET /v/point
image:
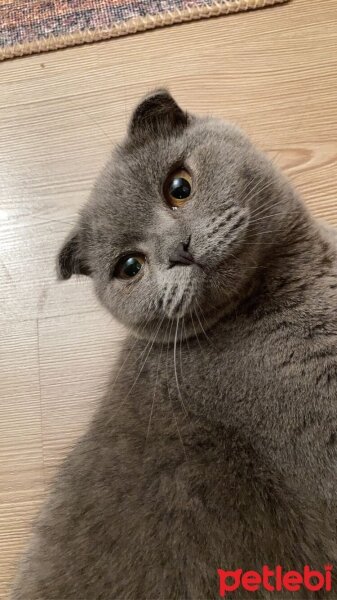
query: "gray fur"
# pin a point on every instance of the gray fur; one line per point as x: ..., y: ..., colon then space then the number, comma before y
x: 216, y: 444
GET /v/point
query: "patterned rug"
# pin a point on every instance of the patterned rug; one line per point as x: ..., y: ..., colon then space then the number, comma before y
x: 30, y: 26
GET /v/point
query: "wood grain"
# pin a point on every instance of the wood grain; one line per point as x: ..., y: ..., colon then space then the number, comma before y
x: 73, y: 373
x: 273, y: 71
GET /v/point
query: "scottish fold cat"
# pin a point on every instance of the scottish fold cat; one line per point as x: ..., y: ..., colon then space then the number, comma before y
x: 215, y: 445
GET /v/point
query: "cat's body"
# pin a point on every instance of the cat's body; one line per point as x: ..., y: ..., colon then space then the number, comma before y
x: 215, y: 451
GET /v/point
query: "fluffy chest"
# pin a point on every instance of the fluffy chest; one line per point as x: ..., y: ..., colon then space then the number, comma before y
x: 272, y: 381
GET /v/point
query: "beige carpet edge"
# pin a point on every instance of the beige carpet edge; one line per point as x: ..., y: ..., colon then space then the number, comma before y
x: 134, y: 25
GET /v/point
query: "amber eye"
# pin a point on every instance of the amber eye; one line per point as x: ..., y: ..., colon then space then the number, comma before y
x: 178, y: 187
x: 129, y: 266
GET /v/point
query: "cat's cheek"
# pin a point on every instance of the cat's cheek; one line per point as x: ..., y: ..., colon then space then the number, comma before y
x: 221, y: 237
x: 103, y: 293
x: 108, y: 295
x: 128, y: 302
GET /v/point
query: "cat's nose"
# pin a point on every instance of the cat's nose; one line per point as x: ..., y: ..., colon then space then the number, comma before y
x: 181, y: 255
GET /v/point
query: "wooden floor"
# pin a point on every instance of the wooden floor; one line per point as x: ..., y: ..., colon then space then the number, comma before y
x: 273, y: 71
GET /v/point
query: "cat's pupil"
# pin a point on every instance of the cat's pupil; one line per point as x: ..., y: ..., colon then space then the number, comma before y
x: 180, y: 188
x: 131, y: 267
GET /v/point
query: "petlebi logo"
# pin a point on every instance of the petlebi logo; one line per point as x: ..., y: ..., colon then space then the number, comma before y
x: 275, y: 580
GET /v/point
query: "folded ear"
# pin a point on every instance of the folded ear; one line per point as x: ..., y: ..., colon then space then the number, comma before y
x: 71, y: 259
x: 157, y: 113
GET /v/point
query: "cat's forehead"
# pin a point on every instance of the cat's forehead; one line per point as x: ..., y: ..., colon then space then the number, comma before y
x: 126, y: 194
x: 133, y: 178
x: 206, y: 144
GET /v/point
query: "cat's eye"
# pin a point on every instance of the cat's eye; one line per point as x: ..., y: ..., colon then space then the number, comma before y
x: 178, y: 187
x: 129, y: 266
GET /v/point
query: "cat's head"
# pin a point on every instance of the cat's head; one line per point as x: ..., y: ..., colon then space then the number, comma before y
x: 174, y: 225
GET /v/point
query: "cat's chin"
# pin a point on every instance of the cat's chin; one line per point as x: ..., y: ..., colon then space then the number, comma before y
x: 181, y: 290
x: 181, y: 307
x: 185, y: 324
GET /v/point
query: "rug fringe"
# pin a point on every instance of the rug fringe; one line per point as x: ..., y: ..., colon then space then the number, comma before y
x: 134, y: 25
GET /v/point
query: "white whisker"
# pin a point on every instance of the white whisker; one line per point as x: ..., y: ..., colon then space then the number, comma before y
x: 155, y: 388
x: 149, y: 343
x: 169, y: 395
x: 175, y: 367
x: 201, y: 326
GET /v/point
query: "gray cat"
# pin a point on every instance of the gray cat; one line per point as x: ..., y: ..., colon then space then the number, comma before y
x: 215, y: 446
